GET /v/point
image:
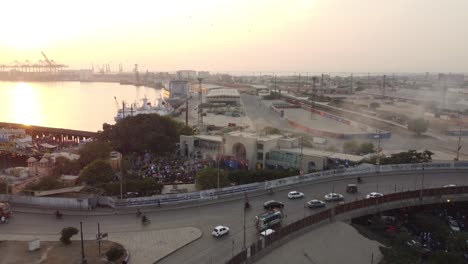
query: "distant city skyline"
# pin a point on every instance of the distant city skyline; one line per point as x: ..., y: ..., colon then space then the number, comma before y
x: 337, y: 36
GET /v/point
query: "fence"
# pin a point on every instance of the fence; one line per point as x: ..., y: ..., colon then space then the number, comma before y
x: 257, y: 247
x: 284, y: 182
x: 72, y: 203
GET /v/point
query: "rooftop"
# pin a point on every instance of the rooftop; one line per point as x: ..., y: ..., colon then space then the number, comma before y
x: 210, y: 138
x: 224, y: 92
x: 323, y: 153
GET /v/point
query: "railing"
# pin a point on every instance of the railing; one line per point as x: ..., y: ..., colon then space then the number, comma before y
x: 284, y: 182
x: 72, y: 203
x: 256, y: 248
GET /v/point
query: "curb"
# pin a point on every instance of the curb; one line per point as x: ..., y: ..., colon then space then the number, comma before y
x: 168, y: 255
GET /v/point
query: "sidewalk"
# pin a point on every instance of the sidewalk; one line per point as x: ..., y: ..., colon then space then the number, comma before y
x: 144, y: 246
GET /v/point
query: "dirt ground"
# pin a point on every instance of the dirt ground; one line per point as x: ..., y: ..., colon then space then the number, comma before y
x: 13, y: 252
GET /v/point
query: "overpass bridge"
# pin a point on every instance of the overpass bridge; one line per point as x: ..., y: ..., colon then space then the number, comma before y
x: 348, y: 211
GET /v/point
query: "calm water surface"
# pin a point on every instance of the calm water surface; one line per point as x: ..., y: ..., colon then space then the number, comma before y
x: 74, y: 105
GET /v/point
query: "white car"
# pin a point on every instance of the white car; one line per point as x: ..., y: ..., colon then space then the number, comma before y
x: 220, y: 231
x: 315, y: 204
x: 295, y: 195
x: 331, y: 197
x: 373, y: 195
x: 454, y: 225
x: 266, y: 233
x: 450, y: 185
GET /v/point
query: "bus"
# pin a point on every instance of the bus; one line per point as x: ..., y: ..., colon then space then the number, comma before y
x: 268, y: 219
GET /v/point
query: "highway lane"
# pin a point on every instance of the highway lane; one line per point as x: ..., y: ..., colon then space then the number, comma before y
x: 230, y: 213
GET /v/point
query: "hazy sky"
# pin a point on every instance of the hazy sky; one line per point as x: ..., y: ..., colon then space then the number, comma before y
x: 241, y: 35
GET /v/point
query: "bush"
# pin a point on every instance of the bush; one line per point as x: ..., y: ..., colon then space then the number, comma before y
x: 114, y: 253
x: 208, y: 179
x: 96, y: 172
x: 67, y: 233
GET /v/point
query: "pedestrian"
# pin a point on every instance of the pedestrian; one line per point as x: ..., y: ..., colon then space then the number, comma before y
x: 159, y: 203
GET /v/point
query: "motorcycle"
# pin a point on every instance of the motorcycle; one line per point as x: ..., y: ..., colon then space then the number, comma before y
x: 58, y: 215
x: 138, y: 213
x: 270, y: 191
x: 3, y: 220
x: 145, y: 220
x: 359, y: 180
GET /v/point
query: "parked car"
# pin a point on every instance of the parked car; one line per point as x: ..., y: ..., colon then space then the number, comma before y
x: 272, y: 204
x: 315, y: 204
x: 220, y: 231
x: 373, y: 195
x: 450, y: 185
x: 454, y: 225
x: 295, y: 195
x: 267, y: 233
x: 332, y: 197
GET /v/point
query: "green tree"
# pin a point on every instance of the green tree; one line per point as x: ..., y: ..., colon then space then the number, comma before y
x: 208, y: 179
x: 351, y: 147
x: 114, y: 253
x: 418, y: 125
x: 3, y: 186
x: 142, y: 133
x: 44, y: 184
x: 374, y: 105
x: 366, y: 148
x: 94, y: 150
x: 98, y: 171
x: 64, y: 166
x: 66, y: 234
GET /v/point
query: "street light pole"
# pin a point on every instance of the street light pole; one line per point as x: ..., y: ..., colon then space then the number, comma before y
x: 218, y: 167
x: 83, y: 258
x: 422, y: 184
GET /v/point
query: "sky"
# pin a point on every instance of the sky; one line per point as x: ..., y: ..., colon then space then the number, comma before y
x: 240, y: 35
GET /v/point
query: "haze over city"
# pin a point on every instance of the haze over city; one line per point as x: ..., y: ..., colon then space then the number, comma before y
x: 234, y: 131
x: 242, y: 35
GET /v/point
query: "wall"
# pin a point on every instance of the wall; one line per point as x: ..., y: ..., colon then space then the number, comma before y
x: 48, y: 202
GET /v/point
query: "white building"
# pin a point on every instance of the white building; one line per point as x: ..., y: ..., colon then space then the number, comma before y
x: 223, y: 95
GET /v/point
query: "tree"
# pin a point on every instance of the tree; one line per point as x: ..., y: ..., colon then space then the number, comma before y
x: 44, y: 184
x: 114, y: 253
x: 98, y: 171
x: 366, y: 148
x: 418, y: 125
x: 410, y: 156
x: 64, y: 166
x: 351, y: 147
x: 208, y: 179
x: 141, y: 133
x: 374, y: 105
x: 93, y: 151
x: 67, y: 233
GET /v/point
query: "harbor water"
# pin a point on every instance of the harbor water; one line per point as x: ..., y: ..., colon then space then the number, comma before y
x: 73, y: 105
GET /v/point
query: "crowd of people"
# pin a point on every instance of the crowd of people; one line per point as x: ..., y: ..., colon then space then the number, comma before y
x: 169, y: 169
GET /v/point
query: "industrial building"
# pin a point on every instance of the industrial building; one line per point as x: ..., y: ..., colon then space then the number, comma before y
x: 263, y: 151
x: 225, y: 96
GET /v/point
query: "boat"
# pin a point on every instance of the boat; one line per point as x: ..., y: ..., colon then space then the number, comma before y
x: 161, y: 107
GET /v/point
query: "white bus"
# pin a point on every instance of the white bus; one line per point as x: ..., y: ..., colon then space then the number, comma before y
x: 268, y: 219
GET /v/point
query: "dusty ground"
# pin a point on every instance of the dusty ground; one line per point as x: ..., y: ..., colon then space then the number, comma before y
x: 13, y: 252
x: 329, y: 244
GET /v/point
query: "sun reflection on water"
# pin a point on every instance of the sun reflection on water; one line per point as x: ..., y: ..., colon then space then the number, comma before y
x: 25, y: 104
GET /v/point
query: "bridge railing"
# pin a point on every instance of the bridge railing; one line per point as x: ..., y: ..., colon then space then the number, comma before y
x: 213, y: 194
x: 257, y: 248
x: 280, y: 183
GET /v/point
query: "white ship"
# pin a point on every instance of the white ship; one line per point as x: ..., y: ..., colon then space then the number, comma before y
x: 160, y: 107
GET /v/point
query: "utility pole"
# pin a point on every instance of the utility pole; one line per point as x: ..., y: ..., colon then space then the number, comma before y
x: 99, y: 237
x: 218, y: 166
x: 186, y: 112
x: 245, y: 209
x: 200, y: 99
x: 83, y: 258
x: 459, y: 143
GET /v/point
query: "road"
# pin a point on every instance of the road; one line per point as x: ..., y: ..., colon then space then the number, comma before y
x: 230, y: 213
